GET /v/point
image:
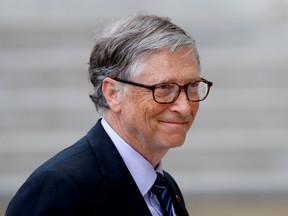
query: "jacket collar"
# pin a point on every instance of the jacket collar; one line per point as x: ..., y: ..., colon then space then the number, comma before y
x: 177, y: 197
x: 114, y: 169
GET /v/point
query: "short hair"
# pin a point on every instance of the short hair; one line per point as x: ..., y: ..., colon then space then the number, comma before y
x: 121, y: 48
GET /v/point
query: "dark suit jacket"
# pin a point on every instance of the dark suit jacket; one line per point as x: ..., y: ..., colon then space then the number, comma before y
x: 87, y: 178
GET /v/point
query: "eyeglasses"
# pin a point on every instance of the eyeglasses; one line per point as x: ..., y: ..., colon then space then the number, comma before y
x: 168, y: 92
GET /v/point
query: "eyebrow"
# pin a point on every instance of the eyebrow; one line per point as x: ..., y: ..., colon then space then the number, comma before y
x: 174, y: 81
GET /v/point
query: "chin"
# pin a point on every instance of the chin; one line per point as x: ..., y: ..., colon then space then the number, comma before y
x: 176, y: 141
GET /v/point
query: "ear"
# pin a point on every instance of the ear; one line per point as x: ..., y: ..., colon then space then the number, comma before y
x: 111, y: 94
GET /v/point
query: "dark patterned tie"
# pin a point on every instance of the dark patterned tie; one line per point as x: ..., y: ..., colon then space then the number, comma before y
x: 160, y: 189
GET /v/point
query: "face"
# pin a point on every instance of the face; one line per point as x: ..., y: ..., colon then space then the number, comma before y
x: 152, y: 127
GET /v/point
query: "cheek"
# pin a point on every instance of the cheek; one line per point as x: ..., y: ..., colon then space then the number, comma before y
x: 195, y: 108
x: 146, y: 109
x: 143, y: 101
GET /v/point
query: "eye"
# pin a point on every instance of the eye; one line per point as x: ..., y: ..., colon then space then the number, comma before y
x: 165, y: 86
x: 165, y: 90
x: 193, y: 84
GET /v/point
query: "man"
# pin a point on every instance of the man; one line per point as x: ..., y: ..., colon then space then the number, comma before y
x: 145, y: 73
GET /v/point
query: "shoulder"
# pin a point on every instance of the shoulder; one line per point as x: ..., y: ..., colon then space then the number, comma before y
x: 64, y: 184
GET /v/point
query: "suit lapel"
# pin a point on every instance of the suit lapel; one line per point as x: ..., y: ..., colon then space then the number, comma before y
x: 177, y: 197
x: 114, y: 169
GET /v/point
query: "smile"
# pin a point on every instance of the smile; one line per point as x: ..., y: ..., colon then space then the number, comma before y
x: 176, y: 125
x: 180, y: 123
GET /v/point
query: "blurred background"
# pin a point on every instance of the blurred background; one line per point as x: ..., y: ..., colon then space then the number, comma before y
x: 235, y: 158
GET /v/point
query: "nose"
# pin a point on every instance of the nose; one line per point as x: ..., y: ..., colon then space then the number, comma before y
x: 183, y: 106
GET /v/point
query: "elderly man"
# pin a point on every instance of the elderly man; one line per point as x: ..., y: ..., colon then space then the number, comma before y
x: 145, y: 73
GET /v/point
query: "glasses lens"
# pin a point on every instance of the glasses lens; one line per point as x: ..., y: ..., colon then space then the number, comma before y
x: 166, y: 92
x: 197, y: 91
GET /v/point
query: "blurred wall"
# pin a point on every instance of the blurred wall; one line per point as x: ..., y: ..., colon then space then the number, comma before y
x: 238, y: 144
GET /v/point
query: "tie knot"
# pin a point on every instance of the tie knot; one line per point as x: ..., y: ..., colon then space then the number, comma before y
x: 159, y: 185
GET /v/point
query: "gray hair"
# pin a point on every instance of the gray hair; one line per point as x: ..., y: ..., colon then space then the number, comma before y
x: 122, y: 47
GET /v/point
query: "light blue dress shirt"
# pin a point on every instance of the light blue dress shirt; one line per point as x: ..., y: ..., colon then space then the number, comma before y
x: 141, y: 170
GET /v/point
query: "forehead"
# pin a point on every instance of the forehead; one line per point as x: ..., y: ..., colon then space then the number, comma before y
x: 178, y: 66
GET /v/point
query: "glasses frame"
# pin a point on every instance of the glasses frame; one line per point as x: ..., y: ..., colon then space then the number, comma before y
x: 153, y: 87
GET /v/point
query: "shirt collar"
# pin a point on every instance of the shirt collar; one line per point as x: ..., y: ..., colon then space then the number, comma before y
x: 141, y: 170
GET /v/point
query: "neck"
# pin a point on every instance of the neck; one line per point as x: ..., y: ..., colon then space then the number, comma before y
x: 154, y: 156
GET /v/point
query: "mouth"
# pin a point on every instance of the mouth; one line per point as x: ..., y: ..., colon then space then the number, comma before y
x: 176, y: 124
x: 176, y: 121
